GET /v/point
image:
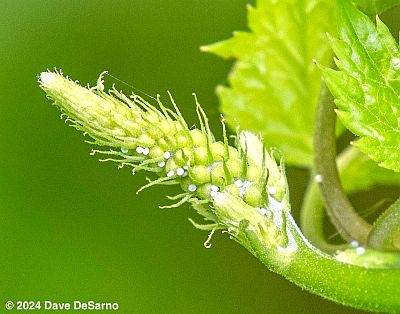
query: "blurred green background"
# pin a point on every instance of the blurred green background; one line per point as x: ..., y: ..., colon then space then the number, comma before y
x: 72, y: 228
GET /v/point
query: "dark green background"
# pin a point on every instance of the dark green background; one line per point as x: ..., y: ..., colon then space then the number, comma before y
x: 72, y: 228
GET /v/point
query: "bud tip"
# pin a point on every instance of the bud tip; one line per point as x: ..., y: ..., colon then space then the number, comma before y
x: 47, y: 78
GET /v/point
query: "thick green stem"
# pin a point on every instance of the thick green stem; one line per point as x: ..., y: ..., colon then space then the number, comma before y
x: 349, y: 224
x: 386, y: 230
x: 359, y: 287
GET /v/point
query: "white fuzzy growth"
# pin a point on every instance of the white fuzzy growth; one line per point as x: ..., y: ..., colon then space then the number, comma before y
x: 272, y: 190
x: 171, y: 173
x: 214, y: 188
x: 167, y: 155
x: 239, y: 183
x: 360, y: 250
x: 192, y: 188
x: 180, y: 171
x: 145, y: 151
x: 318, y: 178
x: 161, y: 164
x: 262, y: 211
x: 47, y: 79
x: 354, y: 244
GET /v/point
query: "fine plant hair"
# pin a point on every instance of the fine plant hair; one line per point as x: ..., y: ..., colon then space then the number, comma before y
x: 302, y: 65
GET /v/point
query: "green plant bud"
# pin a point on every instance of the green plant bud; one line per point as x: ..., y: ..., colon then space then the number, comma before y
x: 201, y: 156
x: 92, y: 112
x: 145, y: 140
x: 183, y: 139
x: 156, y: 152
x: 232, y: 210
x: 232, y: 189
x: 133, y: 128
x: 199, y: 138
x: 204, y: 191
x: 154, y: 132
x: 141, y: 122
x: 163, y: 144
x: 180, y: 158
x: 167, y: 126
x: 199, y: 174
x: 218, y: 175
x: 218, y: 151
x: 151, y: 117
x: 188, y: 154
x: 185, y: 183
x: 233, y: 152
x: 170, y: 139
x: 171, y: 165
x: 235, y: 167
x: 253, y: 195
x: 254, y: 173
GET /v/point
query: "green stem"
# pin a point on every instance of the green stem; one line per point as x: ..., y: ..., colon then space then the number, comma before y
x: 386, y: 230
x: 322, y: 274
x: 312, y: 211
x: 349, y: 224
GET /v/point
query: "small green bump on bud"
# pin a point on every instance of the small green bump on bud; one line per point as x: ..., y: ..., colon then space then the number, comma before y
x: 204, y: 191
x: 199, y: 138
x: 188, y: 154
x: 233, y: 152
x: 232, y: 189
x: 235, y: 167
x: 171, y: 142
x: 154, y: 132
x: 180, y: 158
x: 218, y: 175
x: 167, y: 126
x: 218, y: 151
x: 145, y: 140
x: 254, y: 173
x: 141, y: 122
x: 253, y: 195
x: 163, y: 144
x: 185, y: 182
x: 183, y: 139
x: 133, y: 128
x: 151, y: 117
x: 201, y: 156
x: 171, y: 165
x: 156, y: 152
x: 199, y: 174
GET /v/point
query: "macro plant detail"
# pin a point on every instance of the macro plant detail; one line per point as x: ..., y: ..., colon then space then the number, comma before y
x: 241, y: 187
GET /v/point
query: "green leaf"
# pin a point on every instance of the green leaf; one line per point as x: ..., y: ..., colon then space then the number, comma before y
x: 360, y: 173
x: 373, y: 7
x: 274, y: 85
x: 367, y: 87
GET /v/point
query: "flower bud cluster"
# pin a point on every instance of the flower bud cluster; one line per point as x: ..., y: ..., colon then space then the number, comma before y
x: 158, y: 139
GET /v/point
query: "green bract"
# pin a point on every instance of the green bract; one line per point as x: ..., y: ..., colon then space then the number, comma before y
x: 366, y: 88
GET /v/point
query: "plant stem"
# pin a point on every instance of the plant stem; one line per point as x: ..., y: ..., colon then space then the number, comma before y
x: 312, y: 211
x: 348, y: 223
x: 386, y: 230
x: 360, y: 287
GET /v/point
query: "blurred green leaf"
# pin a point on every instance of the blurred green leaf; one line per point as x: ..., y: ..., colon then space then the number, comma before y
x: 373, y: 7
x: 362, y: 173
x: 367, y: 88
x: 274, y: 85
